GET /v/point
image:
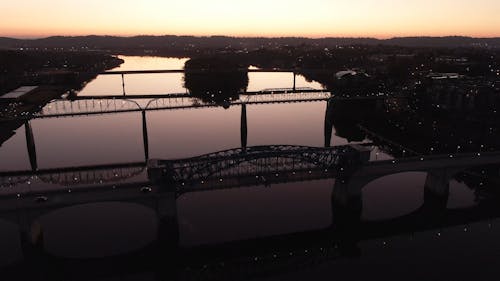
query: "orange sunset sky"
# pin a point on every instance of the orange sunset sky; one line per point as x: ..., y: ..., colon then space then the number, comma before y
x: 311, y: 18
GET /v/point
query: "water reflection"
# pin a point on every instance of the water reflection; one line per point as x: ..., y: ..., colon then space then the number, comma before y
x: 405, y: 195
x: 101, y: 229
x: 267, y: 188
x: 141, y: 84
x: 228, y: 212
x: 220, y: 81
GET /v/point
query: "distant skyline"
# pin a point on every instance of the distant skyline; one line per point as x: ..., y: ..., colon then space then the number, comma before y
x: 268, y: 18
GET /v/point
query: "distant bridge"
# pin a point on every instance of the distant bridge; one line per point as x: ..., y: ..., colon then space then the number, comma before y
x: 202, y: 71
x: 84, y: 106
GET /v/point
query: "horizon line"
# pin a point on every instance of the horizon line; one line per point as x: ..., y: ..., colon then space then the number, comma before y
x: 249, y: 37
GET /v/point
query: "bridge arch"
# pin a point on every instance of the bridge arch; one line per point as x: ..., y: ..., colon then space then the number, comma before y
x: 252, y: 162
x: 63, y: 107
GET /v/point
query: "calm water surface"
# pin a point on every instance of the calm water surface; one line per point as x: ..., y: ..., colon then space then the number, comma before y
x: 138, y: 84
x: 207, y: 218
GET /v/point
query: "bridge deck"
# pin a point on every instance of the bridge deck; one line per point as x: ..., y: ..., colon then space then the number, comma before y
x: 201, y: 71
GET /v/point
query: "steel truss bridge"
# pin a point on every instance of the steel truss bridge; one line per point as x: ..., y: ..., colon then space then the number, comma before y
x: 251, y: 166
x: 233, y: 168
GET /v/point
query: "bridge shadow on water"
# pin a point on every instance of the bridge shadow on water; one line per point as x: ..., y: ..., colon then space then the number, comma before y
x: 150, y: 242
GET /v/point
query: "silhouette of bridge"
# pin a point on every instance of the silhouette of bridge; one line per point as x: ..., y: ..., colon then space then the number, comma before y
x: 83, y: 106
x: 348, y: 165
x: 70, y: 177
x: 251, y: 166
x: 23, y: 176
x: 263, y: 165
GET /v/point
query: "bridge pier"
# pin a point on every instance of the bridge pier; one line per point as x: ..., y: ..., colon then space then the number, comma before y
x: 243, y: 126
x: 347, y: 200
x: 437, y: 190
x: 348, y: 186
x: 168, y: 226
x: 145, y: 139
x: 123, y: 85
x: 346, y: 191
x: 346, y: 218
x: 328, y: 124
x: 437, y: 182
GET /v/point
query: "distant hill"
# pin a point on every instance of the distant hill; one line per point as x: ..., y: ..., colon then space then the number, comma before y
x: 193, y: 42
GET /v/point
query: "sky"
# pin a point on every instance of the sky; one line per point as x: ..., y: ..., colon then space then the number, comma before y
x: 308, y: 18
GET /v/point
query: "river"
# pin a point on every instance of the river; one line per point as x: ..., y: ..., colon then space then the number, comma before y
x: 211, y: 217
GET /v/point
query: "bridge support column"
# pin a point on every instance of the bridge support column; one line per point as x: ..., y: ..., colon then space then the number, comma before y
x: 123, y: 85
x: 145, y: 139
x: 294, y: 80
x: 347, y: 191
x: 347, y: 185
x: 167, y: 246
x: 436, y: 190
x: 168, y: 226
x: 244, y: 128
x: 438, y: 182
x: 358, y: 156
x: 328, y: 124
x: 346, y: 216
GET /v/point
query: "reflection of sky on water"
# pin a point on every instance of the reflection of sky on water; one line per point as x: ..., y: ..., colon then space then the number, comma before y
x: 174, y: 83
x: 205, y: 217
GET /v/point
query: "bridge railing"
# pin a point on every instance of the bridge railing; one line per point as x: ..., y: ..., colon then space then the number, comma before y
x: 78, y: 107
x: 246, y: 163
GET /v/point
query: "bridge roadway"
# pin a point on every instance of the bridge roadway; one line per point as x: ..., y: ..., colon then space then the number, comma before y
x: 226, y: 169
x: 202, y: 71
x: 166, y: 180
x: 98, y: 106
x: 70, y: 176
x: 234, y: 168
x: 110, y: 104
